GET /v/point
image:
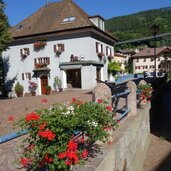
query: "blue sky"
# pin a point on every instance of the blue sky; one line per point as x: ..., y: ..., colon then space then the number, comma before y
x: 17, y: 10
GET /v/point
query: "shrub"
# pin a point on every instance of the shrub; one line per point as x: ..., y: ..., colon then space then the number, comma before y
x: 51, y: 142
x: 19, y: 88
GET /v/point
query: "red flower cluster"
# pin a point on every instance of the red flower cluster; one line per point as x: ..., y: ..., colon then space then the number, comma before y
x: 32, y: 117
x: 42, y: 126
x: 109, y: 108
x: 70, y: 155
x: 48, y: 159
x: 25, y: 161
x: 77, y: 102
x: 84, y: 154
x: 11, y: 118
x: 99, y: 101
x: 47, y: 134
x: 44, y: 100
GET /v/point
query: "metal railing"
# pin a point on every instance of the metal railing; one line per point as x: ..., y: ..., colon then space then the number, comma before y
x: 118, y: 91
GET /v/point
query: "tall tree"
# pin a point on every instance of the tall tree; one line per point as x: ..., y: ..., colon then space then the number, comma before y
x: 4, y: 40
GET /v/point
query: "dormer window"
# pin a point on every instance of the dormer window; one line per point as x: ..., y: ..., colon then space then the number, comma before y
x: 68, y: 19
x: 19, y: 27
x: 98, y: 21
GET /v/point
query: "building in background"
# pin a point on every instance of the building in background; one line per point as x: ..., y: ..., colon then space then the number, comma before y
x: 144, y: 60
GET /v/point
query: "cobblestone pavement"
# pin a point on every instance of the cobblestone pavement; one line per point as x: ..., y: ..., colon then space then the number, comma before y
x: 17, y: 107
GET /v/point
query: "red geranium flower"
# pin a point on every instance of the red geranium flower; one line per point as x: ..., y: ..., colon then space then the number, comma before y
x: 42, y: 126
x: 74, y: 100
x: 25, y: 161
x: 32, y: 116
x: 109, y: 108
x: 68, y: 163
x: 47, y: 134
x: 84, y: 154
x: 11, y: 118
x: 99, y: 101
x: 72, y: 146
x: 44, y: 100
x: 62, y: 155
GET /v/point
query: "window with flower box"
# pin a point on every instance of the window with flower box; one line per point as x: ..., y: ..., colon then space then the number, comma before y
x: 59, y: 48
x: 41, y: 62
x: 24, y: 52
x: 109, y: 53
x: 99, y: 49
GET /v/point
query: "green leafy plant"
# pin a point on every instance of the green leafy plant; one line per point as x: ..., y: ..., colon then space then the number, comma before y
x: 19, y: 89
x: 57, y: 82
x: 52, y: 141
x: 113, y: 67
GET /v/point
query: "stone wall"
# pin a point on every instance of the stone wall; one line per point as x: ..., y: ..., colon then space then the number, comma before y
x: 130, y: 141
x: 128, y: 149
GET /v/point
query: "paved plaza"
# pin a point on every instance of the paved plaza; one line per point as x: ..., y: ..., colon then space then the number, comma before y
x: 18, y: 107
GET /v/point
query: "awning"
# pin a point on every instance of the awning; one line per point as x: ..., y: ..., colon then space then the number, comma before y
x: 68, y: 67
x: 41, y: 71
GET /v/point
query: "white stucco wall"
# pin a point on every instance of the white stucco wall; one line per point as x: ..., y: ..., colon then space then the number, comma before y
x: 147, y: 63
x: 85, y: 46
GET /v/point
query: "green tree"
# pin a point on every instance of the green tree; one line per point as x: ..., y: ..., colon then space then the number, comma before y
x: 4, y: 40
x: 114, y: 67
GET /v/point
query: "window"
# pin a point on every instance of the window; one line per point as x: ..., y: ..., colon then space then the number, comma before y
x: 152, y: 59
x: 26, y: 75
x: 41, y: 62
x: 19, y: 27
x: 158, y: 58
x: 99, y: 47
x: 137, y: 60
x: 24, y: 52
x: 151, y: 66
x: 108, y: 51
x: 68, y: 19
x: 144, y: 59
x: 59, y: 47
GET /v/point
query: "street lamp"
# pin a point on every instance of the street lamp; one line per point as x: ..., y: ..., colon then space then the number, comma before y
x: 154, y: 30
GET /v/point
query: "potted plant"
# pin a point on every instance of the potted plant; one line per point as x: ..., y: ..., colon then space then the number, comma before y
x: 19, y: 89
x: 48, y: 89
x: 32, y: 87
x: 58, y: 84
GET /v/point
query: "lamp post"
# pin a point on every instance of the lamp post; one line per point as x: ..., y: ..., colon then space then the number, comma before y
x: 154, y: 30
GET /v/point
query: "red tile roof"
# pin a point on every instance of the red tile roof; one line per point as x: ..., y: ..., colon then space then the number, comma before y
x: 50, y: 18
x: 149, y: 52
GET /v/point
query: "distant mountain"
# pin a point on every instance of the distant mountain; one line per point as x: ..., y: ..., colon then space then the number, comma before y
x: 137, y: 25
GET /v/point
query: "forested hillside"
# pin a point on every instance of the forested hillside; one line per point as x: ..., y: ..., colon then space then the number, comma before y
x: 137, y: 25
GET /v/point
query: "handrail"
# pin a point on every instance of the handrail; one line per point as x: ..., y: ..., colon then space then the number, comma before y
x: 11, y: 136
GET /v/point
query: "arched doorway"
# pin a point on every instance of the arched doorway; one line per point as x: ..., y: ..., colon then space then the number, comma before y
x: 44, y: 83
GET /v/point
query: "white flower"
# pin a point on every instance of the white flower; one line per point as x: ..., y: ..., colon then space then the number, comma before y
x: 71, y: 108
x: 93, y: 123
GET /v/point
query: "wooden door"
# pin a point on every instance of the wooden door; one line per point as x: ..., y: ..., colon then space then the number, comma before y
x: 74, y: 78
x: 44, y: 83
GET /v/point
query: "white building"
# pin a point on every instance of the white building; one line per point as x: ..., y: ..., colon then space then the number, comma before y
x: 59, y: 39
x: 144, y: 61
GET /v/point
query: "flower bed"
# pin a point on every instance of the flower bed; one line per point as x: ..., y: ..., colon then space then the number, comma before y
x: 52, y: 141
